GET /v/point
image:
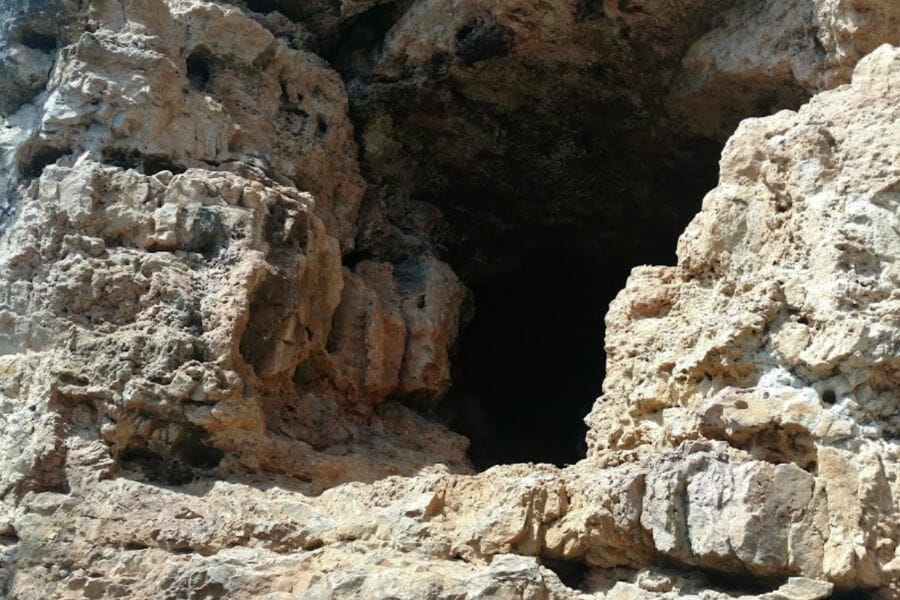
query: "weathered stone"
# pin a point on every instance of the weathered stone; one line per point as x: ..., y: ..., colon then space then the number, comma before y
x: 221, y: 370
x: 774, y: 333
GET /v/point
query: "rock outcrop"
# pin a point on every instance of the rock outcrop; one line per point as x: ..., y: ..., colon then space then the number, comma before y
x: 775, y: 332
x: 236, y: 244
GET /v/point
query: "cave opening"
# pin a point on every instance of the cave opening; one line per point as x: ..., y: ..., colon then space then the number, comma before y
x: 541, y: 184
x: 531, y: 361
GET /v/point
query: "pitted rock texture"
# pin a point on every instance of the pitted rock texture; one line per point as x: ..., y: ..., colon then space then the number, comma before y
x: 189, y: 297
x: 776, y: 332
x: 234, y: 246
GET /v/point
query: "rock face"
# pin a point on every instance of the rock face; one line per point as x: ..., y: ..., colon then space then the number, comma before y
x: 775, y: 332
x: 235, y: 243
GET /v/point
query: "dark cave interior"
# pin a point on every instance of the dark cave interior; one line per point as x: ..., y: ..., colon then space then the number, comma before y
x: 552, y: 179
x: 531, y: 362
x: 549, y: 192
x: 532, y: 359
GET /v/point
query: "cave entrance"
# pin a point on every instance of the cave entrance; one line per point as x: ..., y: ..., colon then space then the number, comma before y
x: 531, y: 361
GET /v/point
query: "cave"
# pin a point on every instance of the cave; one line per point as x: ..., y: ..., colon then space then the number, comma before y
x: 542, y: 184
x: 544, y: 231
x: 531, y: 360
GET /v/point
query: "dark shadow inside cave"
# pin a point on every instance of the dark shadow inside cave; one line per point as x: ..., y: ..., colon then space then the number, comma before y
x: 531, y: 360
x: 542, y: 184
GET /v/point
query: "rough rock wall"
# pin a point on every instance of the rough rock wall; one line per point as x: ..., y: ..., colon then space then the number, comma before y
x: 776, y: 332
x: 203, y: 333
x: 158, y: 240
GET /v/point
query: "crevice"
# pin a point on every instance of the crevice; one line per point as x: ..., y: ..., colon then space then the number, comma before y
x: 134, y: 546
x: 147, y: 164
x: 189, y: 454
x: 38, y: 41
x: 124, y: 159
x: 151, y: 165
x: 690, y: 579
x: 40, y: 159
x: 573, y: 574
x: 362, y: 39
x: 321, y: 128
x: 200, y: 68
x: 262, y: 6
x: 155, y: 467
x: 480, y: 40
x: 9, y: 536
x: 193, y: 448
x: 741, y: 584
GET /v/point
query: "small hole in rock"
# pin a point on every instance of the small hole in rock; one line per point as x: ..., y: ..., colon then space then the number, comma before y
x: 193, y: 449
x: 572, y: 574
x: 135, y: 546
x: 199, y: 68
x: 480, y: 40
x: 741, y: 404
x: 627, y: 6
x: 360, y: 42
x: 155, y: 467
x: 262, y: 6
x: 151, y: 165
x: 38, y: 41
x: 321, y: 128
x: 41, y: 159
x: 146, y: 164
x: 587, y: 9
x: 124, y: 159
x: 829, y: 397
x: 740, y: 583
x: 9, y: 536
x: 206, y: 232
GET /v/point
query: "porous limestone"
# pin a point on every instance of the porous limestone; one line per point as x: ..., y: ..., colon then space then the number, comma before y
x: 227, y: 319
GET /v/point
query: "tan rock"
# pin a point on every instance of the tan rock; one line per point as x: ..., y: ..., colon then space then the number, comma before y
x: 773, y: 336
x: 205, y: 394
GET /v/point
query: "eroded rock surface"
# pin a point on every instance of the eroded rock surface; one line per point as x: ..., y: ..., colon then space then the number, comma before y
x: 775, y: 332
x: 236, y: 242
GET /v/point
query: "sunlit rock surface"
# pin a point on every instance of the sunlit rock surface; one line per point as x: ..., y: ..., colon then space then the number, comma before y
x: 236, y: 248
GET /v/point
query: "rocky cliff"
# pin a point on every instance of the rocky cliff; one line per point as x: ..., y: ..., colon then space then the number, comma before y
x: 280, y: 280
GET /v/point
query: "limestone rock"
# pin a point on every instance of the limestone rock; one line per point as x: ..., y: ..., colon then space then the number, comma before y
x: 229, y: 300
x: 763, y: 57
x: 775, y: 333
x: 850, y: 30
x: 158, y: 86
